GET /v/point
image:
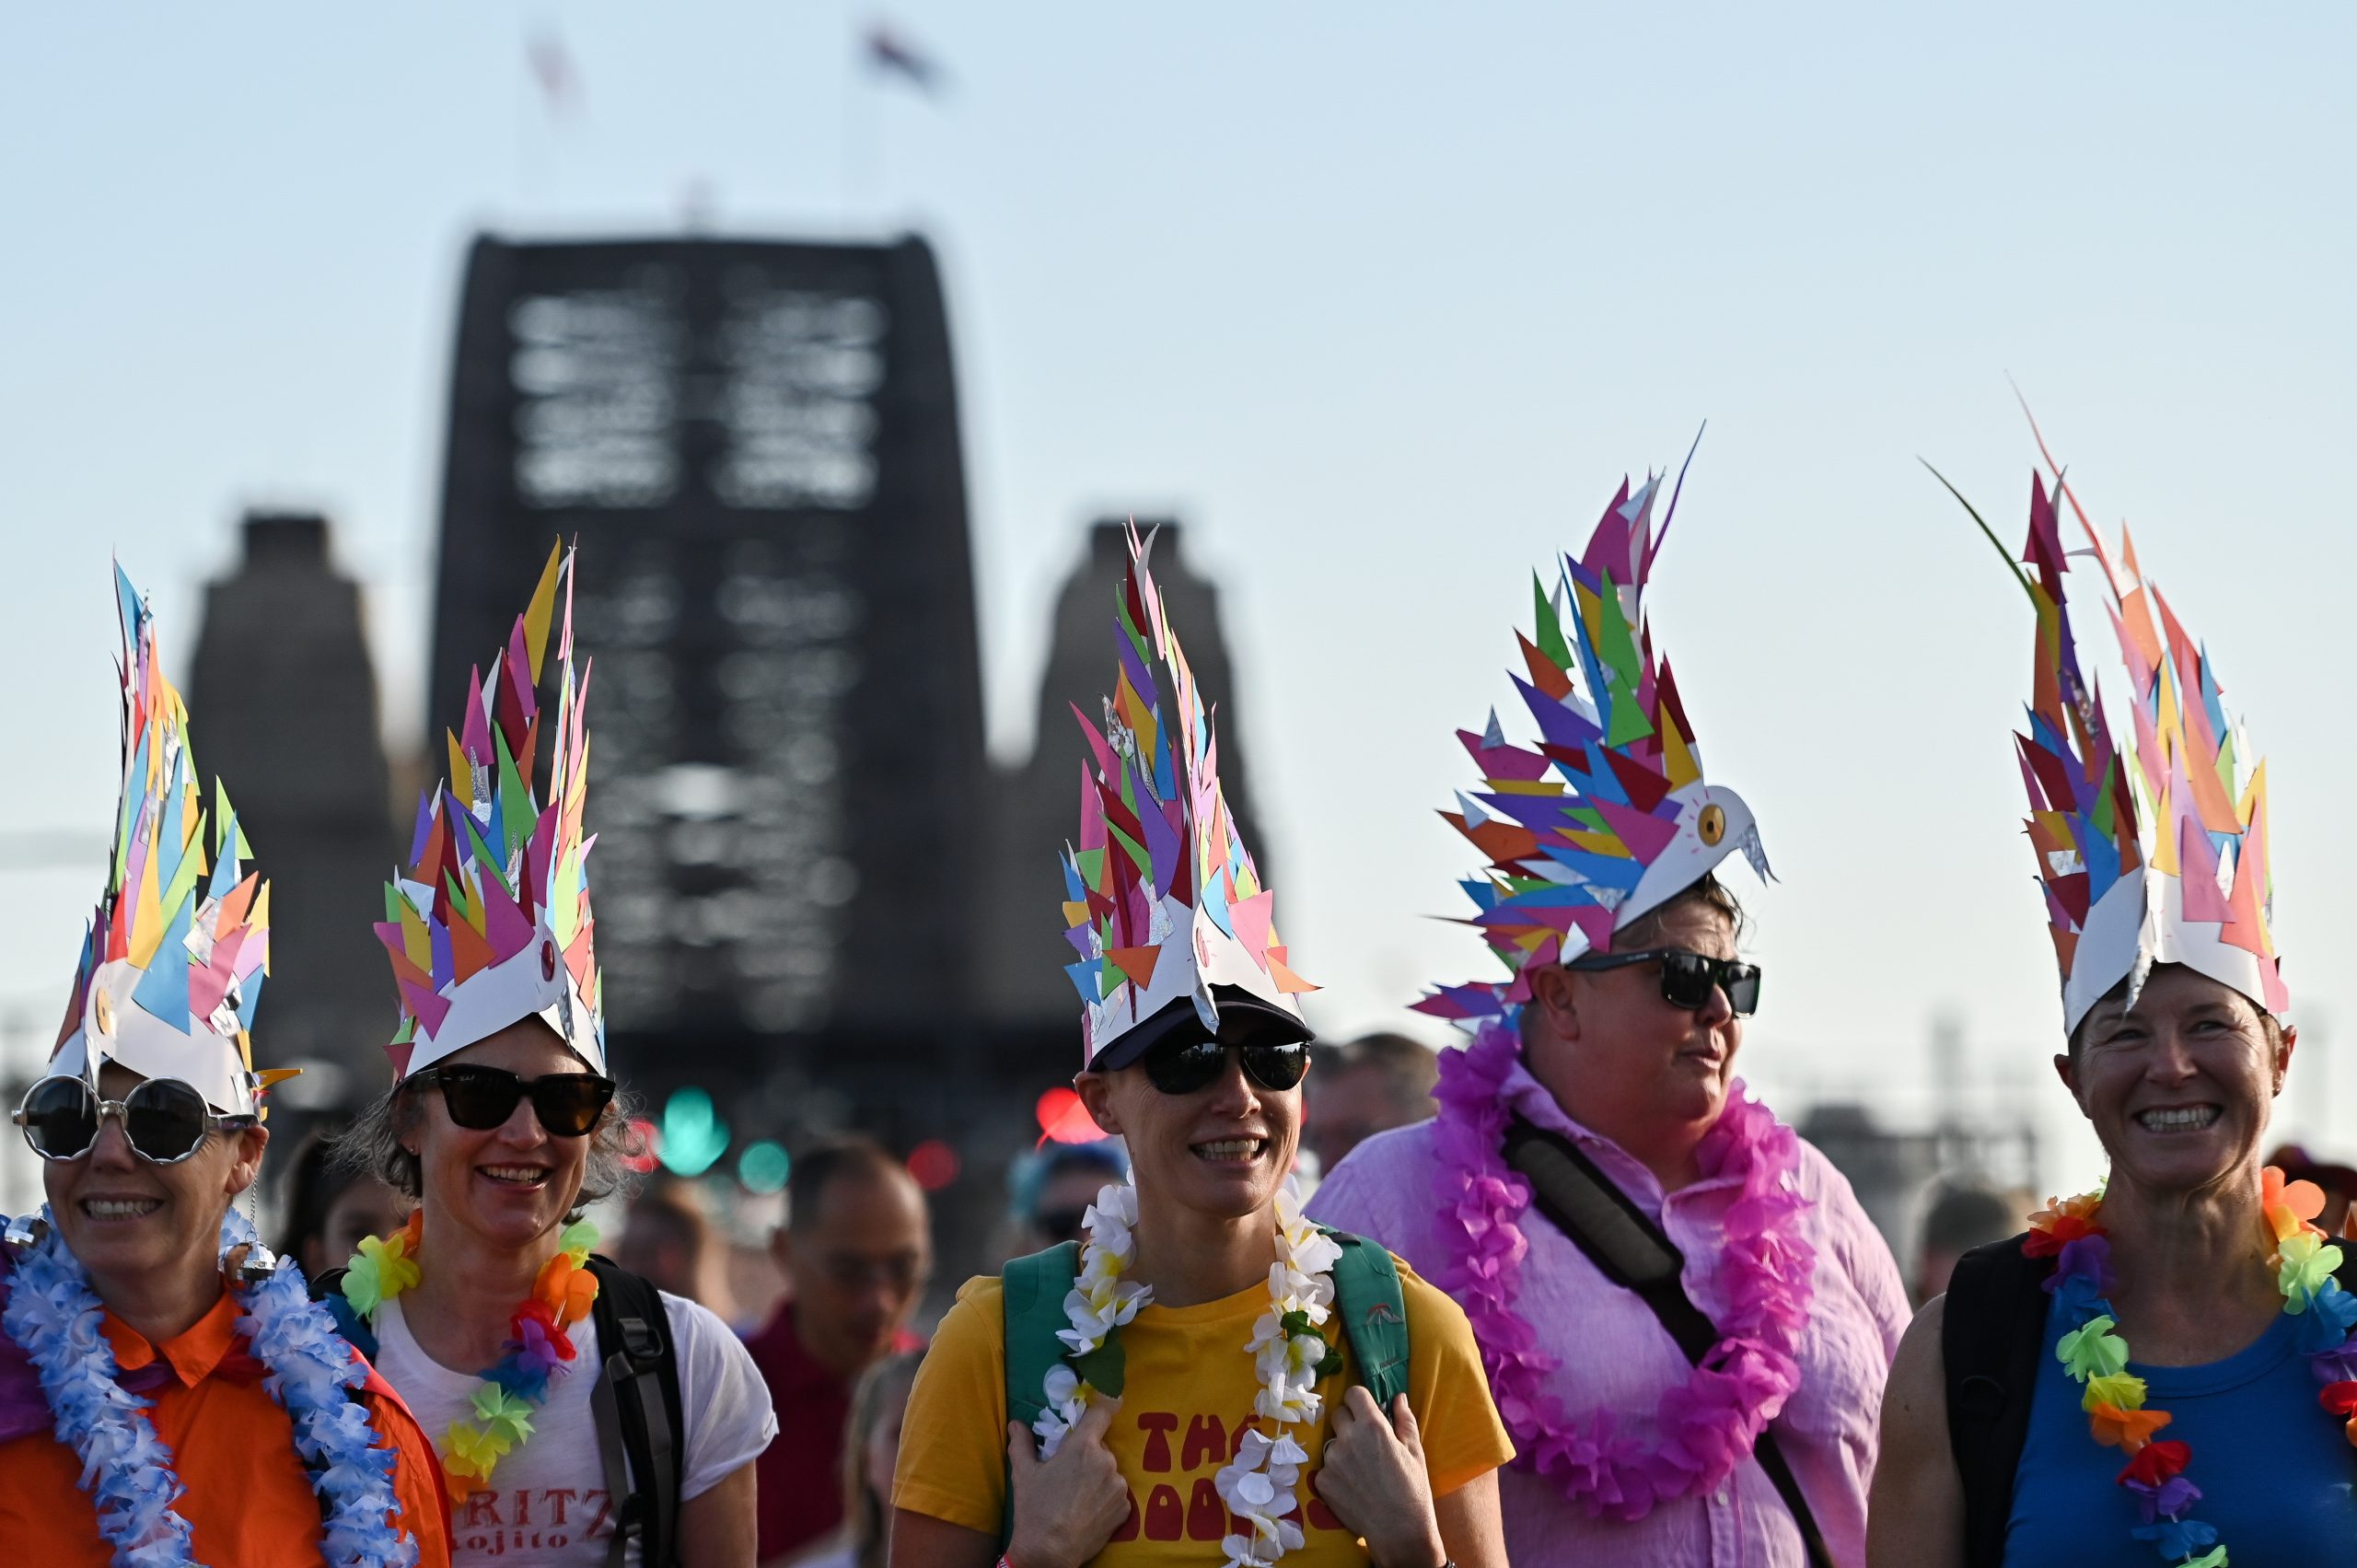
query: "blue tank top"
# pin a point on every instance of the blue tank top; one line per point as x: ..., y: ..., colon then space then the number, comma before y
x: 2276, y: 1474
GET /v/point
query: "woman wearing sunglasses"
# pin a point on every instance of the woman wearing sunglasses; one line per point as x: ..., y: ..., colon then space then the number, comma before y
x: 1684, y: 1311
x: 1191, y: 1382
x: 582, y: 1419
x: 2165, y: 1368
x: 169, y: 1392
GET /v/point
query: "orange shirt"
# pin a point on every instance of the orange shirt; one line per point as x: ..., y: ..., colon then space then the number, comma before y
x: 247, y: 1499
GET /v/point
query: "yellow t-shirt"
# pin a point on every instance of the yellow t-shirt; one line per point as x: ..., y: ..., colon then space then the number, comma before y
x: 1187, y: 1395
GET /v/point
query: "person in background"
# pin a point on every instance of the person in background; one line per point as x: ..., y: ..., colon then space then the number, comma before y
x: 857, y: 1243
x: 1367, y: 1085
x: 668, y: 1240
x: 871, y: 1449
x: 2337, y: 1183
x: 1055, y: 1188
x: 330, y: 1208
x: 1959, y: 1216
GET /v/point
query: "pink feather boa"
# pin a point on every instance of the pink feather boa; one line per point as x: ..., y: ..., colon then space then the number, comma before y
x: 1705, y: 1426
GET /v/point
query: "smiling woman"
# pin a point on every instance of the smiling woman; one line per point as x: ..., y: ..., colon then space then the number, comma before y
x: 168, y: 1392
x: 2139, y: 1373
x: 585, y: 1417
x: 1204, y: 1376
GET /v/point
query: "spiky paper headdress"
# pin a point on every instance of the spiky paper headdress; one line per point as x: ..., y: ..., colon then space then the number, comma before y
x: 175, y: 957
x: 2163, y: 863
x: 1162, y: 899
x: 1609, y: 817
x: 491, y: 923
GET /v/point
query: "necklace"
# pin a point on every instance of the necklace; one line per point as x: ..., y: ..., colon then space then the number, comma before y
x: 1289, y: 1354
x: 537, y: 1346
x: 1708, y: 1423
x: 54, y: 1316
x: 2093, y: 1354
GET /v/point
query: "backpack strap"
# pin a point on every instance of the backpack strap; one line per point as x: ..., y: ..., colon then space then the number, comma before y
x: 637, y: 1404
x: 328, y: 1290
x: 1374, y: 1316
x: 1991, y: 1333
x: 1033, y: 1290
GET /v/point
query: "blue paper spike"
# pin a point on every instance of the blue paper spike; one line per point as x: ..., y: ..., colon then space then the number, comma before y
x: 1084, y: 980
x: 250, y: 988
x: 162, y: 993
x: 1075, y: 890
x: 224, y: 864
x: 1606, y: 870
x: 424, y: 825
x: 1602, y: 783
x: 127, y: 603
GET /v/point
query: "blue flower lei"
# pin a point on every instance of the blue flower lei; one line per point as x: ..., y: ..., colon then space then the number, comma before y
x: 54, y: 1316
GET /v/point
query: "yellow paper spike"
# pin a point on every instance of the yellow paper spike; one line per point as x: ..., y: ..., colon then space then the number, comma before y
x: 462, y: 776
x: 417, y: 943
x: 147, y: 913
x: 1677, y: 759
x: 542, y: 608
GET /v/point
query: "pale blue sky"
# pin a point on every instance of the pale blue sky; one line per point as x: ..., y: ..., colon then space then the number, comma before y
x: 1382, y: 300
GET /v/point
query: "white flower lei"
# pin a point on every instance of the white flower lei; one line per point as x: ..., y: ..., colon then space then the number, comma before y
x: 1288, y: 1352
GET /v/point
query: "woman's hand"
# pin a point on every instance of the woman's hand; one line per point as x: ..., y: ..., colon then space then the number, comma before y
x: 1068, y: 1507
x: 1372, y: 1475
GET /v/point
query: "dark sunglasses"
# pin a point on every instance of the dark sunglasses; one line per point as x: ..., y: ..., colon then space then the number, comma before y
x: 480, y: 1099
x: 1180, y: 1066
x: 166, y: 1118
x: 1686, y: 978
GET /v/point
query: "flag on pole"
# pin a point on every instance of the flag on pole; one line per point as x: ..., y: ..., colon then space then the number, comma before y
x: 552, y: 68
x: 890, y: 53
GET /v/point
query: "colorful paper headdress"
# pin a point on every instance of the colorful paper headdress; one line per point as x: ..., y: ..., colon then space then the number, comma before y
x: 1608, y: 818
x: 1161, y: 898
x: 491, y: 923
x: 176, y: 956
x: 2163, y: 862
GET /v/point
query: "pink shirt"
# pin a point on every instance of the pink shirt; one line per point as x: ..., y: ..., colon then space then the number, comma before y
x: 1614, y: 1353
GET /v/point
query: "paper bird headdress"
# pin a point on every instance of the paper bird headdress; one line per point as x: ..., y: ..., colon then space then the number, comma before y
x: 176, y: 956
x: 1609, y: 817
x: 1162, y: 899
x: 491, y: 923
x: 2158, y: 854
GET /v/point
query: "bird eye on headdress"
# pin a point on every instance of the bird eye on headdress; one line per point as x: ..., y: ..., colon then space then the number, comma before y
x: 1712, y: 824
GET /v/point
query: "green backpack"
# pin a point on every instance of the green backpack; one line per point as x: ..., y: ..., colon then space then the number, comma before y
x: 1366, y: 1295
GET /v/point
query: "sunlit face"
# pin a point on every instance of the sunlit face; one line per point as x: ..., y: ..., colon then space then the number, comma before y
x: 511, y: 1184
x: 1223, y: 1150
x: 1631, y: 1053
x: 2179, y: 1086
x: 123, y: 1217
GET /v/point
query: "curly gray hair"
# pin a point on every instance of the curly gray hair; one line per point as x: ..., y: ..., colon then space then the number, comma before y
x: 372, y: 1145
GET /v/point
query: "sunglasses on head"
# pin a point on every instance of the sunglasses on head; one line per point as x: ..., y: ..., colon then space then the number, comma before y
x: 166, y: 1120
x: 1687, y: 978
x: 1181, y: 1065
x: 480, y: 1099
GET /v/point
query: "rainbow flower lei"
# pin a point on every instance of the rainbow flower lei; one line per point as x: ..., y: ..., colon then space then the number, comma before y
x: 538, y: 1347
x: 2093, y: 1354
x: 1707, y: 1424
x: 58, y: 1320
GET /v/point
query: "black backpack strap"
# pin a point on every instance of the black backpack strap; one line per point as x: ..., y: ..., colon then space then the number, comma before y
x: 1991, y: 1333
x: 636, y: 1403
x: 327, y: 1289
x: 1631, y: 1250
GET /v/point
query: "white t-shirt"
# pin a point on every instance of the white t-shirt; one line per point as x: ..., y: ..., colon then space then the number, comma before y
x: 546, y: 1505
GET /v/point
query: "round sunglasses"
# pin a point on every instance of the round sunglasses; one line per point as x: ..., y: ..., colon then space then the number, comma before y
x: 480, y: 1098
x: 1180, y: 1066
x: 167, y: 1120
x: 1687, y: 978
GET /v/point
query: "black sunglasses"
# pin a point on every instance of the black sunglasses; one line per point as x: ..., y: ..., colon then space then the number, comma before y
x: 480, y: 1098
x: 166, y: 1118
x: 1686, y: 978
x: 1180, y: 1065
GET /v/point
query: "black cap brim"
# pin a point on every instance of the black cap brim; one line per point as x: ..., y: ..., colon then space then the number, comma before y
x: 1243, y: 1019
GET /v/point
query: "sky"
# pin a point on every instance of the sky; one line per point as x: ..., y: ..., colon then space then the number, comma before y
x: 1382, y: 301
